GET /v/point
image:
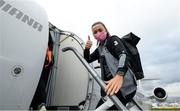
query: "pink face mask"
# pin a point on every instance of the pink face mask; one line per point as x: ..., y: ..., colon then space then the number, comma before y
x: 100, y: 36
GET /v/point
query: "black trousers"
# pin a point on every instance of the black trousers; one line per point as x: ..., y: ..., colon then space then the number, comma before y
x: 124, y: 101
x: 41, y: 94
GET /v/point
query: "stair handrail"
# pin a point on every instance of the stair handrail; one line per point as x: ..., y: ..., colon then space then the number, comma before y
x: 94, y: 74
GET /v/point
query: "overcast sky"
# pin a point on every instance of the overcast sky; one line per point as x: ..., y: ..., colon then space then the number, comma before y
x: 157, y: 22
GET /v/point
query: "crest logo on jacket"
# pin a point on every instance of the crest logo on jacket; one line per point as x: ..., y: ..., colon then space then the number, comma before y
x: 115, y: 43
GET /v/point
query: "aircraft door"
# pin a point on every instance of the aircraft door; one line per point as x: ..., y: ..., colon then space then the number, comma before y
x: 72, y: 79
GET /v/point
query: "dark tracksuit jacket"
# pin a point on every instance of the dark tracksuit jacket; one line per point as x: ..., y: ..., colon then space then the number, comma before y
x: 116, y: 48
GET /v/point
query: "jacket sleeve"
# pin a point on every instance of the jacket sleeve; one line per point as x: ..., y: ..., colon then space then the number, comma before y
x: 117, y: 49
x: 91, y: 57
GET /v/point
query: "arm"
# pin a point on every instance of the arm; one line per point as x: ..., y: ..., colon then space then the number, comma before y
x: 91, y: 57
x: 117, y: 49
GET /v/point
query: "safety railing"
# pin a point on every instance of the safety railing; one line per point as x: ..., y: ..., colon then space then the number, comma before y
x: 94, y: 74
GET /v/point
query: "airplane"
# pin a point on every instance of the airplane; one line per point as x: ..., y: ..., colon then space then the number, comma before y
x: 24, y: 34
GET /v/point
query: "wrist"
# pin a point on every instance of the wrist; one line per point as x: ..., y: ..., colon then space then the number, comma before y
x: 120, y: 73
x: 119, y: 77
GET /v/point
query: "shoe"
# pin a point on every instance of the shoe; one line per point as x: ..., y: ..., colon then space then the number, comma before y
x: 42, y: 107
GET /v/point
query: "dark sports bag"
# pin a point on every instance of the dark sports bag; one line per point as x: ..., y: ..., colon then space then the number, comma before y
x: 130, y: 41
